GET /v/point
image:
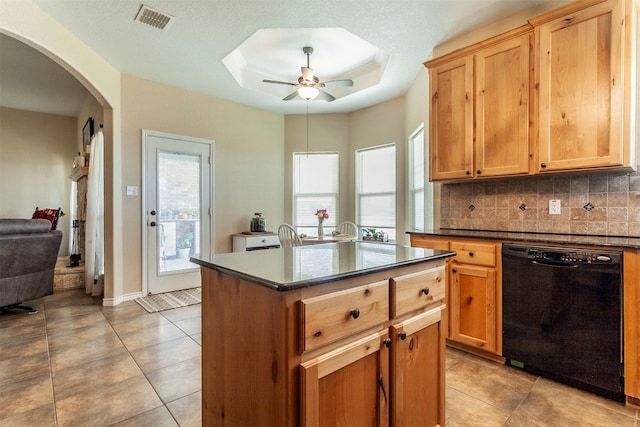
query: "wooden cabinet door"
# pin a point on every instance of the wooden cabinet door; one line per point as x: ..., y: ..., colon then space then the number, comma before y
x: 417, y: 360
x: 502, y: 108
x: 348, y: 386
x: 581, y: 88
x: 472, y: 312
x: 451, y: 120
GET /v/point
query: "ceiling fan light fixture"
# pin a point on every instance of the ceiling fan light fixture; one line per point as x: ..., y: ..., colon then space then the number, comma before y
x: 308, y: 92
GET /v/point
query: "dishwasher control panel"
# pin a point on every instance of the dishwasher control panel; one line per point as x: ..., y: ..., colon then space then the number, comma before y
x: 571, y: 256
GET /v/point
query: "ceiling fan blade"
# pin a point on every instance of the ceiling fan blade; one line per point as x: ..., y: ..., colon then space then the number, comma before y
x: 280, y: 83
x: 337, y: 83
x: 307, y: 74
x: 325, y: 96
x: 290, y: 96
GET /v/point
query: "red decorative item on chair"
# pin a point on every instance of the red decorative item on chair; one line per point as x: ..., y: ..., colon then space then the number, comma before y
x: 53, y: 215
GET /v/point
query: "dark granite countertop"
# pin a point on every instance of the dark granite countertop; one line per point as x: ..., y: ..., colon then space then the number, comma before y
x: 303, y: 266
x: 509, y: 236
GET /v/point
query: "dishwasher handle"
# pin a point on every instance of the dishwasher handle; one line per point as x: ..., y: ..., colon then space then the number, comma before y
x: 555, y: 263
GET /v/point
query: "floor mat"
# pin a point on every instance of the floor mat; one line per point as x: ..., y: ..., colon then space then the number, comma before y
x: 169, y: 300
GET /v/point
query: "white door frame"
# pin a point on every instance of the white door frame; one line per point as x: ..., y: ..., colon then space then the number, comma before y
x: 144, y: 214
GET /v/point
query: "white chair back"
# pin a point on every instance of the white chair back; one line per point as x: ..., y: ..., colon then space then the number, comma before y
x: 288, y: 236
x: 348, y: 228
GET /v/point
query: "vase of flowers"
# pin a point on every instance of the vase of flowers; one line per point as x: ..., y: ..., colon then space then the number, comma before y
x: 322, y: 215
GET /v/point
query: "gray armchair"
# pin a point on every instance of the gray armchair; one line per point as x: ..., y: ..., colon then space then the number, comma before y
x: 28, y: 254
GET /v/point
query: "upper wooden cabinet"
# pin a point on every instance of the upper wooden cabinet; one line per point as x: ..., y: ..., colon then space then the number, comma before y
x: 479, y: 113
x: 583, y: 68
x: 556, y: 94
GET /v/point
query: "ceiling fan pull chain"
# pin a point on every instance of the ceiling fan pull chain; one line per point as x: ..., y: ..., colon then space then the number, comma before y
x: 307, y: 128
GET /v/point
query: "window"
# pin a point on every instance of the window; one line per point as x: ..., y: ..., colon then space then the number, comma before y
x: 376, y: 189
x: 315, y: 186
x: 416, y: 179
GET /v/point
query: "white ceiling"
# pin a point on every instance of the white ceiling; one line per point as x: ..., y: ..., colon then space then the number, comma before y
x: 189, y: 53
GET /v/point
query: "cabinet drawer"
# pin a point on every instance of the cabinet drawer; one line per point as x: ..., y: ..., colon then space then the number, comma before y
x: 327, y: 318
x: 417, y: 290
x: 260, y: 241
x: 425, y: 242
x: 474, y: 253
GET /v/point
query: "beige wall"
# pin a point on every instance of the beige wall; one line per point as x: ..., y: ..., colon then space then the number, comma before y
x: 36, y: 155
x: 25, y: 21
x: 248, y: 159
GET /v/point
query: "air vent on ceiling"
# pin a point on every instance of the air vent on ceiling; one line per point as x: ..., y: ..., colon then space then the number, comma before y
x: 153, y: 17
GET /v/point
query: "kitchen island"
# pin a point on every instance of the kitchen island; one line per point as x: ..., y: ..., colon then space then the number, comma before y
x: 312, y: 335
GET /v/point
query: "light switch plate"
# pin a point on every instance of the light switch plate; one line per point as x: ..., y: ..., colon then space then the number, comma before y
x: 132, y: 190
x: 554, y: 207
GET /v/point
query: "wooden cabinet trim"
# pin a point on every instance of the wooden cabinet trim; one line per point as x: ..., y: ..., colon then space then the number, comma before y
x: 467, y: 50
x: 562, y: 11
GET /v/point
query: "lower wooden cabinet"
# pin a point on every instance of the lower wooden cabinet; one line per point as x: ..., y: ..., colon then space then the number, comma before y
x: 472, y: 306
x: 418, y: 370
x: 396, y: 374
x: 473, y: 295
x: 348, y: 385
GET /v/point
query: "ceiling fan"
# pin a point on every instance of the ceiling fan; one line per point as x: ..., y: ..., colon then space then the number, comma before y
x: 309, y: 86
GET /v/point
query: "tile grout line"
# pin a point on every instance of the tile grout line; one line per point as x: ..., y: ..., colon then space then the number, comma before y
x: 46, y: 337
x: 144, y: 374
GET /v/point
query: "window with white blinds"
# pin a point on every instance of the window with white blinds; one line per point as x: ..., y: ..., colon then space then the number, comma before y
x: 376, y: 189
x: 315, y: 186
x: 416, y: 179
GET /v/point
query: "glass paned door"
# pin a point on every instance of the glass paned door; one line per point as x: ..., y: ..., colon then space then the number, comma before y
x: 178, y: 221
x: 179, y: 211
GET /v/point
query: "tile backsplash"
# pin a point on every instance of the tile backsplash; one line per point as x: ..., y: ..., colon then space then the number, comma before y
x: 597, y: 203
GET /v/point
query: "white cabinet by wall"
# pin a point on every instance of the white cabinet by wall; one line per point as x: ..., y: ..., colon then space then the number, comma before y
x: 251, y: 242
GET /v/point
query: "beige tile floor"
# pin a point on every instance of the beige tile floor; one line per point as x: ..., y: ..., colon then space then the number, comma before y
x: 75, y: 363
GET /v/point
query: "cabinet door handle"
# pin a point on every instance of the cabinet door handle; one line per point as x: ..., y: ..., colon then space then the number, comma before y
x: 425, y: 291
x: 454, y: 270
x: 355, y: 313
x: 387, y: 342
x: 402, y: 335
x: 468, y: 172
x: 543, y: 165
x: 479, y: 172
x: 153, y: 223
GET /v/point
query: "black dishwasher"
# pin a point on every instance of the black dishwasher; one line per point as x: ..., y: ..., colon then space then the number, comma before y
x: 562, y: 315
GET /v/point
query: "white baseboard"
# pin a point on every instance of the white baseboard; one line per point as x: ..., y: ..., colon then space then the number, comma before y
x: 112, y: 302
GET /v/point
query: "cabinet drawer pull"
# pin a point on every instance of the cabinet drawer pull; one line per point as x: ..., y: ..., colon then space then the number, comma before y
x: 387, y: 342
x: 470, y: 254
x: 425, y: 291
x: 355, y: 313
x: 454, y: 270
x: 402, y: 335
